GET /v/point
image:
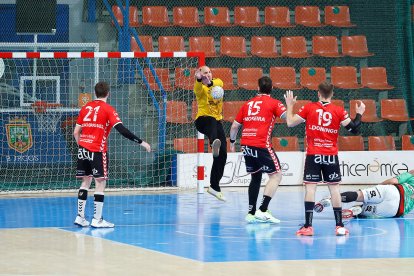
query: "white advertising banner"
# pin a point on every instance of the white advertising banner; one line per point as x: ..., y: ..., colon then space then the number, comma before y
x: 357, y: 167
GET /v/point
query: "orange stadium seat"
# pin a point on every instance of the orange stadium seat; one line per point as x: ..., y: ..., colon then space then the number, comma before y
x: 311, y: 77
x: 350, y: 143
x: 186, y: 17
x: 338, y: 16
x: 370, y: 114
x: 233, y: 46
x: 308, y: 16
x: 381, y: 143
x: 133, y: 16
x: 156, y: 16
x: 217, y: 16
x: 247, y: 78
x: 184, y: 78
x: 338, y: 103
x: 203, y: 44
x: 146, y: 41
x: 163, y: 75
x: 187, y: 145
x: 194, y: 109
x: 278, y: 17
x: 344, y: 77
x: 394, y: 110
x: 171, y: 44
x: 355, y: 46
x: 177, y: 112
x: 247, y: 16
x: 284, y: 78
x: 325, y: 46
x: 230, y: 110
x: 263, y: 46
x: 288, y: 143
x: 294, y: 47
x: 226, y: 75
x: 407, y: 142
x: 375, y: 78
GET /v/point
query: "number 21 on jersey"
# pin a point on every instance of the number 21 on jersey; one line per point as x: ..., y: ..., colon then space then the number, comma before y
x: 91, y: 110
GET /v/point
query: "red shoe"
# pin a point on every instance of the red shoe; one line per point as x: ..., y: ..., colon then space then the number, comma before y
x: 341, y: 231
x: 305, y: 231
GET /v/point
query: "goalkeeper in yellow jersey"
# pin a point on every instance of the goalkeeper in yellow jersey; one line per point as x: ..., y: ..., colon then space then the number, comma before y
x: 209, y: 94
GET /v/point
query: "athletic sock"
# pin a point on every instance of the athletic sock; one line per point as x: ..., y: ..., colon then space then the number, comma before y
x: 338, y: 216
x: 98, y: 205
x: 265, y: 203
x: 349, y: 196
x: 82, y: 197
x: 309, y: 213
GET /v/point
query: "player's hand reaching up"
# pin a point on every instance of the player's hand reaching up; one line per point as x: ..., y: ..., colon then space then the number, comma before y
x: 146, y: 146
x: 360, y: 108
x: 204, y: 79
x: 198, y: 74
x: 289, y: 99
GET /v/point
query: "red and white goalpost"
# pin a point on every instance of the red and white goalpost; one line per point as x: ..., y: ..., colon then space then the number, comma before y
x: 42, y: 92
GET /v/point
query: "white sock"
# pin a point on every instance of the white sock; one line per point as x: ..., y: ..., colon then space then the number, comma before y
x: 81, y: 207
x: 97, y: 206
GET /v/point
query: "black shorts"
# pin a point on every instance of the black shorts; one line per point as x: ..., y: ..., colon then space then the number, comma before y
x: 260, y: 159
x: 92, y: 164
x: 322, y: 168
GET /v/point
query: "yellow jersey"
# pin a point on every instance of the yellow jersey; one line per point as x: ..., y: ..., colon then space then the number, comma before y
x: 207, y: 106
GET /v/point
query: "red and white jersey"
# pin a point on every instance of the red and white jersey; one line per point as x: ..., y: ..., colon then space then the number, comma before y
x: 96, y: 119
x: 258, y: 117
x: 323, y: 121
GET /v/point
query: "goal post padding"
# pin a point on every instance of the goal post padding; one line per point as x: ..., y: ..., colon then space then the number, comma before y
x: 152, y: 93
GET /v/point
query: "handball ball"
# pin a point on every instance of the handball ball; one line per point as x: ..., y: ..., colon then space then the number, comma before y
x: 217, y: 92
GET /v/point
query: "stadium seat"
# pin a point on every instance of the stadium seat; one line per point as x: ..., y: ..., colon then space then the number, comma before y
x: 247, y: 78
x: 204, y: 44
x: 171, y: 44
x: 394, y: 110
x: 233, y: 46
x: 156, y: 16
x: 186, y: 145
x: 263, y: 46
x: 278, y: 17
x: 294, y: 47
x: 308, y: 16
x: 338, y: 103
x: 226, y: 75
x: 186, y: 17
x: 298, y: 105
x: 344, y: 77
x: 287, y: 143
x: 194, y: 109
x: 133, y: 16
x: 355, y: 46
x: 338, y: 16
x: 230, y: 110
x: 217, y: 16
x: 370, y: 114
x: 350, y: 143
x: 163, y: 75
x: 284, y: 78
x: 375, y: 78
x: 247, y: 16
x: 146, y: 41
x: 381, y: 143
x: 184, y: 78
x: 325, y: 46
x: 177, y: 112
x: 407, y: 142
x: 311, y: 77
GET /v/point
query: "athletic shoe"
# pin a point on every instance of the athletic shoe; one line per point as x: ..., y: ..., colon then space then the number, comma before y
x: 216, y: 147
x: 305, y: 231
x: 82, y: 222
x: 341, y: 231
x: 218, y: 195
x: 356, y: 210
x: 101, y: 223
x: 250, y: 218
x: 265, y: 217
x: 324, y: 203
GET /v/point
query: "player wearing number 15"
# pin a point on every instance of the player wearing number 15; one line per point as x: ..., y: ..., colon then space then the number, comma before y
x: 323, y: 120
x: 92, y: 129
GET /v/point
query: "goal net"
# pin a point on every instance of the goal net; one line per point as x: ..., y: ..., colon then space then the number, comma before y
x: 41, y: 94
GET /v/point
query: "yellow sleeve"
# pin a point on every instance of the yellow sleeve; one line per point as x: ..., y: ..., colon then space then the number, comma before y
x: 198, y: 87
x: 217, y: 82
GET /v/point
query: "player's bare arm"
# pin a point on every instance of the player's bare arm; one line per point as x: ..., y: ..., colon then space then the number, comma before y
x: 233, y: 134
x: 290, y: 100
x: 77, y: 132
x: 392, y: 180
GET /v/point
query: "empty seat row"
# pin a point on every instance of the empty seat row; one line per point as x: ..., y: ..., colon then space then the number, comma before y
x: 245, y: 16
x: 260, y: 46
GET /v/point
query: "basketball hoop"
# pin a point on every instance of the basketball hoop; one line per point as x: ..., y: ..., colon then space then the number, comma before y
x: 47, y: 115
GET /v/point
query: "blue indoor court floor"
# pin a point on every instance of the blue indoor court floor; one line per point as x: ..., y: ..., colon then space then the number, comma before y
x: 200, y: 228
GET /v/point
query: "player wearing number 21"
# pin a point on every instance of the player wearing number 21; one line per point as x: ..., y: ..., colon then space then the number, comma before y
x: 323, y: 121
x: 92, y: 129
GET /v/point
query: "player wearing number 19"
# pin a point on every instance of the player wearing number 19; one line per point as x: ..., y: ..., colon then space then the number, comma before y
x: 323, y: 120
x: 92, y: 129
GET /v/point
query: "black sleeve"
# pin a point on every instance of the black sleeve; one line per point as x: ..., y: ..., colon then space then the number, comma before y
x: 127, y: 134
x: 354, y: 125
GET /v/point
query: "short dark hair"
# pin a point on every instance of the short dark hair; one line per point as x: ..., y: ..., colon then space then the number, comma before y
x: 325, y: 89
x: 101, y: 89
x: 265, y: 85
